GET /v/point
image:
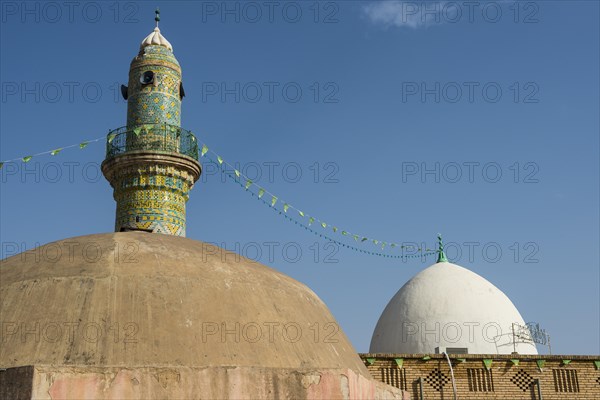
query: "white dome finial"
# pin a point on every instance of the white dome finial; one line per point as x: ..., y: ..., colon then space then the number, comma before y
x: 441, y: 254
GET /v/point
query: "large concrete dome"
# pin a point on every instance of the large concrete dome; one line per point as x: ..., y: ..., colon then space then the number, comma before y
x: 148, y: 299
x: 449, y: 308
x: 141, y: 315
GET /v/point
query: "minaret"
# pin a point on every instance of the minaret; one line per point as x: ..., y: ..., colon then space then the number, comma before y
x: 152, y: 163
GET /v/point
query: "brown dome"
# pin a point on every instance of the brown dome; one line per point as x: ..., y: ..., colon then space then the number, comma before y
x: 140, y: 299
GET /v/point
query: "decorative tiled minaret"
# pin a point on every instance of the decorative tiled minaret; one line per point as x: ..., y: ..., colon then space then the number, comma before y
x: 152, y: 163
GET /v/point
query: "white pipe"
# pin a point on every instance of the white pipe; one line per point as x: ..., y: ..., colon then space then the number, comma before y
x: 452, y: 375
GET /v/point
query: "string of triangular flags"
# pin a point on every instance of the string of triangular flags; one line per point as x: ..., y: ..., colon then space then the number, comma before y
x: 56, y: 151
x: 290, y: 212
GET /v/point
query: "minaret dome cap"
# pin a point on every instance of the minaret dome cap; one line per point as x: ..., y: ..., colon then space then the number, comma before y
x: 155, y: 38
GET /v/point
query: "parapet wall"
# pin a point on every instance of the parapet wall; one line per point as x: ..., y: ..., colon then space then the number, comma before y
x: 86, y: 382
x: 483, y: 377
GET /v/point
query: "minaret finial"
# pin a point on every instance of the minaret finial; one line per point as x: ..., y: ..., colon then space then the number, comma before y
x: 441, y: 255
x: 157, y: 16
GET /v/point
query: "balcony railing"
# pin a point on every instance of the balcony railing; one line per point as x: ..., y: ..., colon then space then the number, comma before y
x: 160, y: 138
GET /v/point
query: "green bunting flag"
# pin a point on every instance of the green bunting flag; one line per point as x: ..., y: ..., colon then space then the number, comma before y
x: 273, y: 201
x: 137, y: 131
x: 399, y: 362
x: 355, y: 237
x: 261, y: 193
x: 566, y: 362
x: 597, y: 364
x: 541, y: 363
x: 26, y: 158
x: 461, y: 360
x: 55, y: 152
x: 514, y: 361
x: 1, y: 165
x: 324, y: 225
x: 335, y: 229
x: 310, y: 221
x: 285, y: 207
x: 248, y: 184
x: 237, y: 173
x: 344, y: 233
x: 364, y: 239
x: 83, y: 145
x: 220, y: 160
x: 301, y: 213
x: 204, y: 150
x: 370, y: 361
x: 488, y: 363
x: 111, y: 137
x: 426, y: 358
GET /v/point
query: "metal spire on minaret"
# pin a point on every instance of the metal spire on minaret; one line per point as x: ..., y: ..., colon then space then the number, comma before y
x: 152, y: 163
x: 441, y: 255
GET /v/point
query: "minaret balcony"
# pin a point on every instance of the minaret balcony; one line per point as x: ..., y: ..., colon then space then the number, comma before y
x: 159, y: 138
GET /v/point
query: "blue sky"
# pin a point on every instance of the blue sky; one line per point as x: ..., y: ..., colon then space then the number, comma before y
x: 402, y: 123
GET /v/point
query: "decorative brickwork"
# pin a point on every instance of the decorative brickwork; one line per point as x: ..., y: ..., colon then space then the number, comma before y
x: 437, y: 379
x: 480, y: 380
x: 505, y: 379
x: 394, y: 376
x: 522, y: 380
x: 565, y: 380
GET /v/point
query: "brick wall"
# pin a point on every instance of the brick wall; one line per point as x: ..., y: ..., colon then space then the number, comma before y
x: 560, y: 377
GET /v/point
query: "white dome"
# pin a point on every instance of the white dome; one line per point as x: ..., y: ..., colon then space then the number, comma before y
x: 449, y: 307
x: 156, y: 39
